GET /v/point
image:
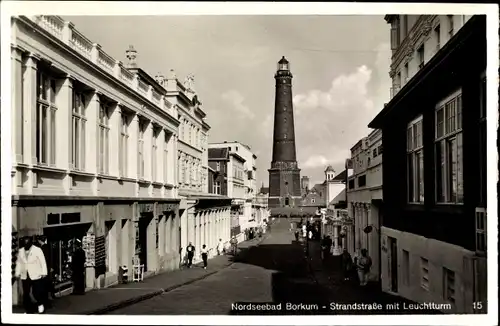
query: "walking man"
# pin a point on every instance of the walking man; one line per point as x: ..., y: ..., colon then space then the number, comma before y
x: 31, y: 268
x: 220, y: 247
x: 190, y: 251
x: 234, y: 245
x: 49, y: 291
x: 346, y: 264
x: 78, y: 269
x: 204, y: 256
x: 364, y: 264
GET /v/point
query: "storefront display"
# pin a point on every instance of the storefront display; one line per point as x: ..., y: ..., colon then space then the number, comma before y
x: 88, y: 245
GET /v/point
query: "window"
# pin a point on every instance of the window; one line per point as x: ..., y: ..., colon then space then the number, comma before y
x: 154, y: 154
x: 395, y: 34
x: 437, y: 33
x: 374, y: 153
x: 362, y: 181
x: 398, y: 79
x: 406, y: 268
x: 415, y: 161
x: 190, y: 133
x: 424, y: 274
x: 103, y: 138
x: 450, y: 25
x: 380, y: 149
x: 217, y: 166
x: 217, y: 188
x: 421, y: 56
x: 78, y: 130
x: 351, y: 184
x: 140, y: 150
x: 482, y: 143
x: 313, y: 200
x: 165, y: 162
x: 46, y: 119
x: 448, y: 285
x: 481, y: 230
x: 123, y: 145
x: 407, y: 72
x: 449, y: 152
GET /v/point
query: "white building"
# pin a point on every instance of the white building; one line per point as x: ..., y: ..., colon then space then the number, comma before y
x: 365, y: 197
x: 205, y: 217
x: 93, y: 149
x: 242, y: 184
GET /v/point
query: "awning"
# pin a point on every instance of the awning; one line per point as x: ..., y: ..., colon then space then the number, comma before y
x: 466, y: 48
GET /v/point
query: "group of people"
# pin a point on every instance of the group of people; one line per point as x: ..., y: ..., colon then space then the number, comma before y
x: 309, y: 230
x: 190, y: 249
x: 356, y: 269
x: 33, y: 269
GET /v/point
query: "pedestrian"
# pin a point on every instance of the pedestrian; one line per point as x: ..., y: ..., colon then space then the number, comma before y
x: 304, y: 231
x: 364, y: 264
x: 325, y: 248
x: 190, y: 252
x: 297, y: 235
x: 31, y: 268
x: 78, y: 269
x: 346, y: 264
x: 204, y: 256
x: 220, y: 247
x: 234, y: 245
x: 310, y: 234
x: 49, y: 291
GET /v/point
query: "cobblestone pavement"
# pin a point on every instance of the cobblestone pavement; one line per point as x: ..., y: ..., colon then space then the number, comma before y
x: 273, y: 271
x: 278, y: 271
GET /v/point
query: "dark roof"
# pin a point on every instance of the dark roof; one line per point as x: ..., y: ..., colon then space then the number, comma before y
x: 218, y: 153
x: 341, y: 176
x: 283, y: 60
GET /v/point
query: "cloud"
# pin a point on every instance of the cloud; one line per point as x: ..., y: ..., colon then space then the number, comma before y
x: 338, y: 116
x: 235, y: 99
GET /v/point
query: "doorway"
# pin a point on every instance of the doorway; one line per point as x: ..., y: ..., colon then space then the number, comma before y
x: 393, y: 261
x: 287, y: 201
x: 144, y: 221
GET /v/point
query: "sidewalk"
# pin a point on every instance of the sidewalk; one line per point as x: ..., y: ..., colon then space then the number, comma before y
x: 329, y: 275
x: 96, y: 302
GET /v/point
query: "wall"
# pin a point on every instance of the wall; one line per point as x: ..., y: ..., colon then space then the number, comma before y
x: 439, y: 254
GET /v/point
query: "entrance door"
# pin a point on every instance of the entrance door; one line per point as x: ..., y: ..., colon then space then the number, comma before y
x: 393, y: 247
x: 143, y: 240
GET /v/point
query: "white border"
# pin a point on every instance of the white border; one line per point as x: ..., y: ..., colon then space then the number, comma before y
x: 9, y: 8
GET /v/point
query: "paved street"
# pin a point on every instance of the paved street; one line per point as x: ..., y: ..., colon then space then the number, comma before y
x: 274, y: 271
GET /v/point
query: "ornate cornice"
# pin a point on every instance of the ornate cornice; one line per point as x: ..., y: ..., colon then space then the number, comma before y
x: 423, y: 26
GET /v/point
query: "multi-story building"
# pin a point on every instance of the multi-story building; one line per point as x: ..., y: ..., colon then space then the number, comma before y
x: 205, y: 217
x: 364, y: 196
x: 434, y: 162
x: 94, y: 154
x: 238, y: 173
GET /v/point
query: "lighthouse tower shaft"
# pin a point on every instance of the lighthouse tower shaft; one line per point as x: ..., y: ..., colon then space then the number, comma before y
x: 284, y: 175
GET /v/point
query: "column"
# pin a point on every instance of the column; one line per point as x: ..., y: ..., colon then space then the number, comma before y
x: 148, y: 152
x: 163, y: 225
x: 336, y: 250
x: 17, y: 115
x: 92, y: 134
x: 173, y: 154
x: 115, y: 124
x: 29, y: 107
x: 160, y: 160
x: 132, y: 150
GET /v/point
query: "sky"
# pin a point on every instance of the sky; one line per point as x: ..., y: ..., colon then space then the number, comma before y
x: 340, y: 67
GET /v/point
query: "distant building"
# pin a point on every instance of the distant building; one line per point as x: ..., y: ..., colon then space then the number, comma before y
x: 365, y: 197
x: 434, y: 162
x: 304, y: 185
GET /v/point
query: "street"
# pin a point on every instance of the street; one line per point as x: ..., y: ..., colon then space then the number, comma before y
x: 274, y: 271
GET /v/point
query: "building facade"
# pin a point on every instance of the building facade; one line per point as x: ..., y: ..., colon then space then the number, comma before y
x: 284, y: 174
x: 434, y: 162
x: 94, y: 155
x: 241, y: 184
x: 365, y: 198
x: 205, y: 217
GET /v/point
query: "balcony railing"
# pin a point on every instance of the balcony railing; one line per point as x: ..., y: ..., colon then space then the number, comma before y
x: 65, y: 31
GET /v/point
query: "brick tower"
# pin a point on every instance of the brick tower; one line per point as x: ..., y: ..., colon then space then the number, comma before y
x: 284, y: 174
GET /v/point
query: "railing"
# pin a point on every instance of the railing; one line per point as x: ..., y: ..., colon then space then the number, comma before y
x: 52, y: 24
x: 142, y: 87
x: 105, y: 61
x: 126, y: 76
x: 156, y: 98
x: 81, y: 44
x: 64, y: 31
